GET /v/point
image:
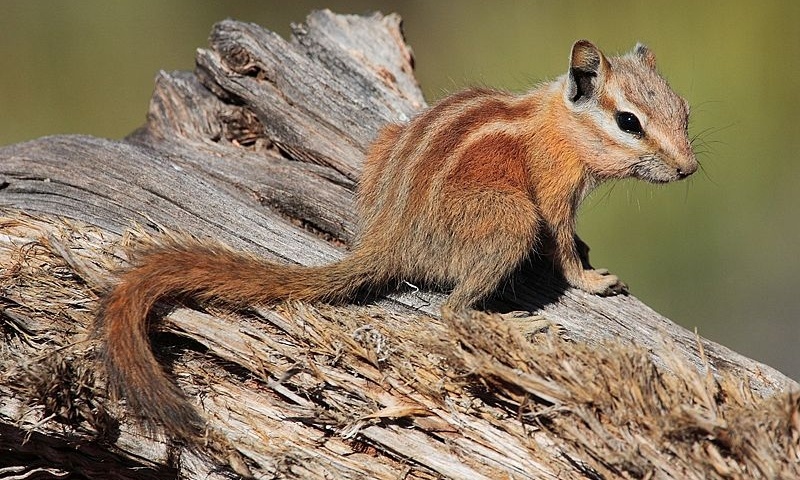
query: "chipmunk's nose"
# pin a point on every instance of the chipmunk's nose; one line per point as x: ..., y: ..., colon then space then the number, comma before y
x: 687, y: 167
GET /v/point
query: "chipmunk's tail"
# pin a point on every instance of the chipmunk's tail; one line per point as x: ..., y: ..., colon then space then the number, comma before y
x: 203, y: 272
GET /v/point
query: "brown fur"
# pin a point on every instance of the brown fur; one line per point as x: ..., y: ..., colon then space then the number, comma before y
x: 458, y: 197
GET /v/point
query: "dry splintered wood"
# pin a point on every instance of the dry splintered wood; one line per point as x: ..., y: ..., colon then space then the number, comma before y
x: 260, y: 148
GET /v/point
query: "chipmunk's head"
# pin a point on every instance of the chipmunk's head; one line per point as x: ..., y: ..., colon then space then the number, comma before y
x: 634, y: 124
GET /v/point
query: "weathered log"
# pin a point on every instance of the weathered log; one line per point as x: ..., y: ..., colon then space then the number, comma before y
x: 260, y: 148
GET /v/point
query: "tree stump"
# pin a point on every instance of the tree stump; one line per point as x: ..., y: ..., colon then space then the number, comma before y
x: 260, y: 148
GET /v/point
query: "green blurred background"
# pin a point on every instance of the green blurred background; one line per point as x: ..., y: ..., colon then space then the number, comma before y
x: 716, y: 253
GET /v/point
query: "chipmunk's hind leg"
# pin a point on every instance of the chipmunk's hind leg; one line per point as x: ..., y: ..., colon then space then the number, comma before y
x: 485, y: 233
x: 492, y: 245
x: 484, y: 261
x: 482, y: 280
x: 482, y: 283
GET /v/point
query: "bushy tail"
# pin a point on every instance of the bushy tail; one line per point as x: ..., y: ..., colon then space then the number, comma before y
x: 203, y: 272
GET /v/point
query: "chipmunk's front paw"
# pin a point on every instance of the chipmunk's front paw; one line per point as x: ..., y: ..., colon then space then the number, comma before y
x: 600, y: 282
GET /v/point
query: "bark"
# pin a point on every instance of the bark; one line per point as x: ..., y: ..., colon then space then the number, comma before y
x: 260, y: 148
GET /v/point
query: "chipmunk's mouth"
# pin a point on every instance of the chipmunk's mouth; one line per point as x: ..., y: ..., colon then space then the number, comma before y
x: 653, y: 169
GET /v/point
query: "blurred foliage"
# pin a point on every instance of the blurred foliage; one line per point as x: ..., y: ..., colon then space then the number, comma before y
x: 715, y: 252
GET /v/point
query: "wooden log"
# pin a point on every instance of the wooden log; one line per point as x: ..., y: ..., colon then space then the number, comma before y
x: 260, y: 148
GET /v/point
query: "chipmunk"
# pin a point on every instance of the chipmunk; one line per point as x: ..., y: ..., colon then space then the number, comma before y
x: 458, y: 196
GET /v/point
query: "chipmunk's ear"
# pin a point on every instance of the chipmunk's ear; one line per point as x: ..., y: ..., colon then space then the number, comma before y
x: 587, y: 70
x: 645, y: 55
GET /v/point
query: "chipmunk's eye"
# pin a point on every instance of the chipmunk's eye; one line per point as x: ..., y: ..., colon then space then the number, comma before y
x: 628, y: 122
